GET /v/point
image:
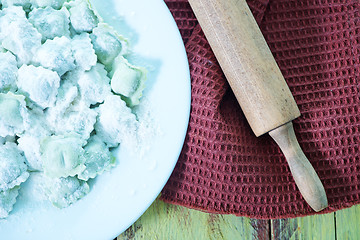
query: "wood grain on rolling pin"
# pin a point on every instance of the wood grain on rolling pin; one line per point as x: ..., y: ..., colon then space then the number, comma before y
x: 247, y: 63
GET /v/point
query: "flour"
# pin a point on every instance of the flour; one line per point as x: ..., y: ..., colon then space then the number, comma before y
x: 147, y: 129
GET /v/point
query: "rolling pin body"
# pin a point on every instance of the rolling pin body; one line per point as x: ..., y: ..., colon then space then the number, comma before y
x: 247, y: 63
x: 258, y: 84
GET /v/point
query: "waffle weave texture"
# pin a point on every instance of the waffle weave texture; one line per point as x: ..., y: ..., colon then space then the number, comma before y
x: 223, y: 167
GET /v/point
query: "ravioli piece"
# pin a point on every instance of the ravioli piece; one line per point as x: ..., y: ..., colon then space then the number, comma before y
x: 94, y: 85
x: 13, y: 170
x: 83, y: 51
x: 56, y: 4
x: 67, y: 94
x: 7, y: 201
x: 50, y: 23
x: 62, y: 156
x: 39, y: 84
x: 82, y: 17
x: 107, y: 43
x: 29, y: 142
x: 128, y: 80
x: 13, y: 115
x: 8, y: 15
x: 98, y: 159
x: 22, y: 39
x: 56, y: 55
x: 31, y: 147
x: 37, y: 125
x: 115, y: 122
x: 23, y: 3
x: 8, y: 72
x: 12, y: 12
x: 78, y: 119
x: 63, y: 192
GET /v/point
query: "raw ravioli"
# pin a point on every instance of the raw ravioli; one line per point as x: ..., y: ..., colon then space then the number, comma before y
x: 62, y: 156
x: 98, y: 158
x: 63, y: 192
x: 13, y: 115
x: 39, y: 84
x: 8, y: 15
x: 115, y: 121
x: 82, y: 18
x: 128, y: 80
x: 83, y: 51
x: 13, y: 170
x: 29, y: 142
x: 94, y: 85
x: 8, y: 72
x: 67, y: 94
x: 107, y: 43
x: 56, y: 4
x: 7, y: 201
x: 22, y: 39
x: 30, y: 145
x: 78, y: 119
x: 24, y: 3
x: 50, y: 23
x: 56, y: 55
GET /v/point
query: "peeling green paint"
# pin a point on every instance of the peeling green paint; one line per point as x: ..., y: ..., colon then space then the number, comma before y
x: 169, y: 222
x: 165, y: 221
x: 348, y: 223
x: 311, y: 227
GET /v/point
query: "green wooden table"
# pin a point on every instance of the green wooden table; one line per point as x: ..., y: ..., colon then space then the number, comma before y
x: 170, y: 222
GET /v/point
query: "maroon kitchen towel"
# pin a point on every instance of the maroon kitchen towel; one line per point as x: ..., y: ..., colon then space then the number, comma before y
x: 223, y: 167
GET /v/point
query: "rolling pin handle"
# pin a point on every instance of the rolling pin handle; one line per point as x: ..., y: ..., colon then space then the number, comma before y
x: 303, y: 172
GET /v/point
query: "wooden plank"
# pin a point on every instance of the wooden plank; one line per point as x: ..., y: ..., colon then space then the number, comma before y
x: 347, y: 223
x: 311, y: 227
x: 165, y: 221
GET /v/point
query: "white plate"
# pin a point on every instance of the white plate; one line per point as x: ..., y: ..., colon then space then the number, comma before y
x: 117, y: 199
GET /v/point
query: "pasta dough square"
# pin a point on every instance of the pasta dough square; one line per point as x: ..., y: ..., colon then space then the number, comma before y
x: 83, y: 51
x: 13, y: 115
x: 98, y: 159
x: 62, y: 156
x: 107, y: 43
x: 82, y: 17
x: 21, y: 38
x: 39, y: 84
x: 8, y: 72
x: 56, y: 4
x: 7, y: 201
x: 94, y: 85
x: 56, y: 55
x: 62, y: 192
x: 128, y: 80
x: 115, y: 121
x: 50, y: 23
x: 13, y: 170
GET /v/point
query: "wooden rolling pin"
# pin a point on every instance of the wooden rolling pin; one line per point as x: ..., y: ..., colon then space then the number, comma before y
x: 258, y: 84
